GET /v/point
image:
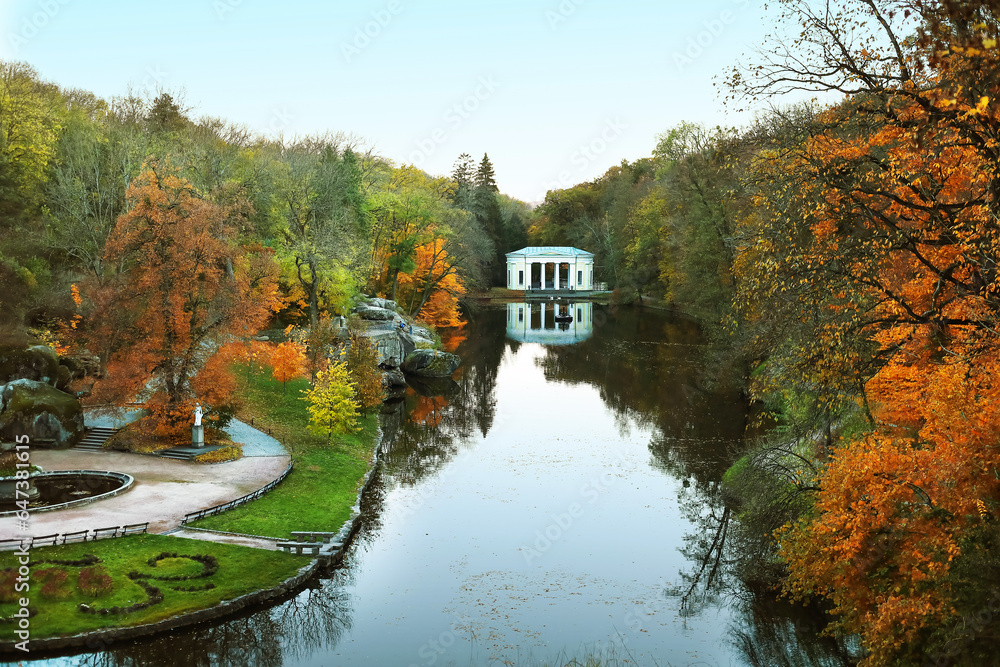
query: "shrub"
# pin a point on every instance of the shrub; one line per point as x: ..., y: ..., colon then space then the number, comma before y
x: 55, y: 583
x: 8, y: 580
x: 228, y: 453
x: 95, y: 582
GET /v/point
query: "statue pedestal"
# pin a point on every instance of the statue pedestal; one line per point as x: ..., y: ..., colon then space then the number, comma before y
x: 198, y: 435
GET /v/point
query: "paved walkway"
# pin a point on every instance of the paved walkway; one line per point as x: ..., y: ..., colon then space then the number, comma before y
x: 240, y: 540
x: 255, y: 443
x: 164, y: 489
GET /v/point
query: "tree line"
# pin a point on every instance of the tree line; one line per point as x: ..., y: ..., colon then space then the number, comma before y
x: 150, y: 238
x: 845, y: 251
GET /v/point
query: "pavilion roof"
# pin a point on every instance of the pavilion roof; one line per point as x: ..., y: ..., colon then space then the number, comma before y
x: 550, y: 251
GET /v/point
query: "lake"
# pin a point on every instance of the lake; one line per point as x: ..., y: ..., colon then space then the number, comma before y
x: 559, y: 499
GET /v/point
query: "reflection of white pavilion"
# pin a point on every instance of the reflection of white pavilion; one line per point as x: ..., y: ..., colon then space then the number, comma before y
x: 550, y: 322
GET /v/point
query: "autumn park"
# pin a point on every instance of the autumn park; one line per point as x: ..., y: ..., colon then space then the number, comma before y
x: 819, y: 287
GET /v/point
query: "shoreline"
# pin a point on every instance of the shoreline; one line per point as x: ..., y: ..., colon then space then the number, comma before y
x: 102, y: 639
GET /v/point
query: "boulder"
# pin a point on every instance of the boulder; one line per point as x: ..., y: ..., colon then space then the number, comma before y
x: 406, y: 343
x: 373, y: 313
x: 393, y: 378
x: 38, y: 362
x: 387, y: 304
x: 64, y: 377
x: 422, y: 333
x: 431, y: 363
x: 389, y: 347
x: 82, y: 365
x: 51, y: 418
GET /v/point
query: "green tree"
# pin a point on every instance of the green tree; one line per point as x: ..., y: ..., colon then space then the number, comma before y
x: 325, y: 215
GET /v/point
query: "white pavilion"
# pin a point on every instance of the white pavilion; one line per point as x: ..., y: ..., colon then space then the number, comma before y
x: 550, y: 268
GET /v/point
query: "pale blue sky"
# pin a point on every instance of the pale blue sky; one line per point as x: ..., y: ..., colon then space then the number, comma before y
x: 534, y: 81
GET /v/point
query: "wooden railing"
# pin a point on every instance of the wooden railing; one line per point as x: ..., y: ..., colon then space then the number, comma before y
x: 89, y: 535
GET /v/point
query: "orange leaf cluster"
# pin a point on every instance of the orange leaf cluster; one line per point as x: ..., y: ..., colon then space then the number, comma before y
x: 183, y: 288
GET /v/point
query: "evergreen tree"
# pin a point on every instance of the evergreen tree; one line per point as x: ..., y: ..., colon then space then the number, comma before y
x: 485, y: 178
x: 463, y: 174
x: 486, y: 208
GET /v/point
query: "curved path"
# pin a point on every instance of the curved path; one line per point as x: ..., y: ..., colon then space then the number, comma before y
x: 164, y: 490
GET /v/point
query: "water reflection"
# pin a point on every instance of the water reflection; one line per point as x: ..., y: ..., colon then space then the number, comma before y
x: 550, y: 322
x: 469, y: 541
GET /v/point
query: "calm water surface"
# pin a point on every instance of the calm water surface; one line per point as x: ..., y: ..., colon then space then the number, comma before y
x: 560, y: 499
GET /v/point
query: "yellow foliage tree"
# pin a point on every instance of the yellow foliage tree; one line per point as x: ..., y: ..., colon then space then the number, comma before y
x: 332, y: 404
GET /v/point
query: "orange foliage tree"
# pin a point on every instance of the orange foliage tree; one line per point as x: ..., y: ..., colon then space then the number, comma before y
x: 433, y: 288
x: 288, y: 361
x: 183, y: 287
x: 879, y: 229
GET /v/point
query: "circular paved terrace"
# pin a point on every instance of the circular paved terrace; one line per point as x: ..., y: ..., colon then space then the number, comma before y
x: 164, y: 490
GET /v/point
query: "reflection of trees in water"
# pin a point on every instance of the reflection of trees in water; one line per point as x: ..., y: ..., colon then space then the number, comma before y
x: 314, y: 619
x: 426, y: 430
x: 648, y: 368
x: 772, y: 633
x: 768, y: 632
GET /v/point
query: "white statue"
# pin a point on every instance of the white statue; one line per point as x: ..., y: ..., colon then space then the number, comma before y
x: 197, y: 414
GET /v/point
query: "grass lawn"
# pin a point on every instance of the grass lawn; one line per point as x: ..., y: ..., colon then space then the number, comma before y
x: 241, y: 570
x: 323, y: 485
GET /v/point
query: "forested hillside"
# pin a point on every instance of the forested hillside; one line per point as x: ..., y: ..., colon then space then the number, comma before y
x: 332, y: 216
x: 845, y: 255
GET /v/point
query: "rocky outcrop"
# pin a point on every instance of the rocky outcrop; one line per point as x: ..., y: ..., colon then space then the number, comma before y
x: 38, y: 362
x: 373, y: 313
x: 391, y: 351
x: 82, y: 365
x: 393, y: 378
x: 48, y: 416
x: 402, y: 345
x: 387, y: 304
x: 431, y: 363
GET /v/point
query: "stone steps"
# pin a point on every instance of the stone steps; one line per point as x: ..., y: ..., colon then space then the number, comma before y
x: 94, y: 439
x: 186, y: 453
